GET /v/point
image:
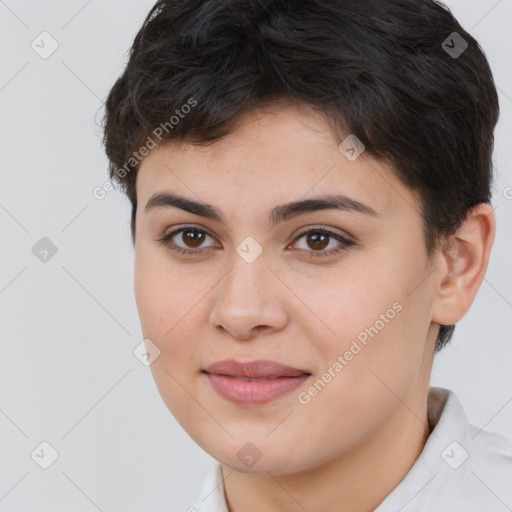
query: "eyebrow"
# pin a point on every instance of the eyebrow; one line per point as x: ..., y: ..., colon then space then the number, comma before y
x: 278, y: 214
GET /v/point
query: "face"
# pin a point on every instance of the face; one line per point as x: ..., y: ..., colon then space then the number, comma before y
x: 341, y: 293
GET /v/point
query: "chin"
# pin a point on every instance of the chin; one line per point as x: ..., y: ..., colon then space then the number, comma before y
x: 257, y: 459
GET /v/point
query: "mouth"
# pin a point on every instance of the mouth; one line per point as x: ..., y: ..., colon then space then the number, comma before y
x: 255, y: 382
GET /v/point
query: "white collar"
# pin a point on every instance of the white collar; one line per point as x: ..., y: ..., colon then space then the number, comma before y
x: 461, y: 467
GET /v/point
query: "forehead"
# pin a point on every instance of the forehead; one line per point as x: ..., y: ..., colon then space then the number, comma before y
x: 269, y: 157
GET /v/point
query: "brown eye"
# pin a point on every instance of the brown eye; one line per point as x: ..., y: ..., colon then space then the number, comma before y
x: 317, y: 240
x: 191, y: 240
x: 188, y: 240
x: 193, y: 237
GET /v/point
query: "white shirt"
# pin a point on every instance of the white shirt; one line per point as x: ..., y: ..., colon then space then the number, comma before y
x: 461, y: 468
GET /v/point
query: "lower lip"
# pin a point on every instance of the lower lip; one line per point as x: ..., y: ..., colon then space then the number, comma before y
x: 249, y: 392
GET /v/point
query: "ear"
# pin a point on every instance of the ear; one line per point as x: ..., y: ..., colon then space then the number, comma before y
x: 462, y: 265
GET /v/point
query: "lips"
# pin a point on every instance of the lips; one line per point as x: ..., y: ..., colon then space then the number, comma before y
x: 254, y: 369
x: 255, y: 382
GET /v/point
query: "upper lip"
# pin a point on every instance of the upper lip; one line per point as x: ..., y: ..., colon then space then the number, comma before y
x: 254, y: 369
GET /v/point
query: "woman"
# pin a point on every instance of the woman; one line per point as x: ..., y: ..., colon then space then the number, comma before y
x: 310, y: 188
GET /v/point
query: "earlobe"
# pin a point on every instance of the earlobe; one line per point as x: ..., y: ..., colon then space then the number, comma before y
x: 464, y: 260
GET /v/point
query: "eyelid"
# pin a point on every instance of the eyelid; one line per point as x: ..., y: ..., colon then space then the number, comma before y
x: 302, y: 231
x: 318, y: 227
x: 345, y: 240
x: 167, y: 237
x: 182, y: 227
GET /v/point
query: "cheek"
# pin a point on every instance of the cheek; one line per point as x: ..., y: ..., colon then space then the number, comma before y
x: 381, y: 346
x: 167, y: 298
x: 163, y: 292
x: 151, y: 296
x: 351, y: 304
x: 374, y: 321
x: 167, y: 319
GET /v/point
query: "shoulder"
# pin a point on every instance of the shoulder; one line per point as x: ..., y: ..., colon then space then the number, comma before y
x: 477, y: 469
x: 461, y: 468
x: 491, y: 461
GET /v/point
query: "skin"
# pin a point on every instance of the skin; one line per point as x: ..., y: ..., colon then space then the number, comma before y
x: 352, y: 443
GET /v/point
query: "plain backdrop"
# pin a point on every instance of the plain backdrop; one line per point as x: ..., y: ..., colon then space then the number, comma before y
x: 68, y: 375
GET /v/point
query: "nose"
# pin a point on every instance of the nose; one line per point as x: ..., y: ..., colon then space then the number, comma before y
x: 249, y: 300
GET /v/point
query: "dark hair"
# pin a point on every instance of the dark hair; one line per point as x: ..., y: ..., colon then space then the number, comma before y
x: 383, y: 70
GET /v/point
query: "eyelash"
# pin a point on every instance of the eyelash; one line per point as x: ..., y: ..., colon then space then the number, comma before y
x: 345, y: 243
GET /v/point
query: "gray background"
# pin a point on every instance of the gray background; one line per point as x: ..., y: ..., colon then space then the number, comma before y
x: 69, y: 326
